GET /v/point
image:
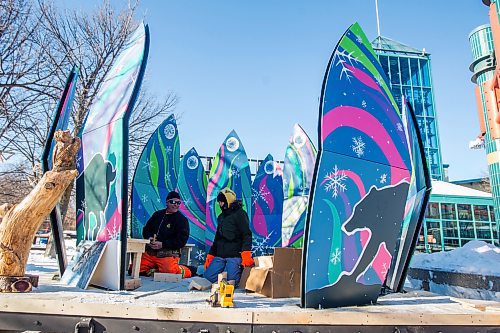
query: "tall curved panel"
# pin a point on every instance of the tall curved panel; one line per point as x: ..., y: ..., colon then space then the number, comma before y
x: 300, y: 158
x: 230, y: 168
x: 192, y: 187
x: 416, y: 203
x: 155, y: 175
x: 59, y: 122
x: 360, y: 182
x: 101, y: 187
x: 267, y: 207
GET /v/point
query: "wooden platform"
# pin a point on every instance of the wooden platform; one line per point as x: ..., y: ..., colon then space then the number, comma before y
x: 57, y: 308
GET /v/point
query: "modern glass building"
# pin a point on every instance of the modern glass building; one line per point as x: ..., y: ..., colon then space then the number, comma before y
x: 409, y: 72
x: 456, y: 215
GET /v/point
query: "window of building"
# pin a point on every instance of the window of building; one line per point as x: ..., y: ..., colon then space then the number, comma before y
x: 492, y: 213
x: 415, y: 73
x: 483, y: 231
x: 384, y: 61
x: 432, y: 210
x: 417, y: 101
x: 405, y: 72
x: 428, y: 105
x: 481, y: 213
x: 450, y: 243
x: 426, y: 73
x: 467, y: 230
x: 394, y: 67
x: 464, y: 212
x: 450, y: 229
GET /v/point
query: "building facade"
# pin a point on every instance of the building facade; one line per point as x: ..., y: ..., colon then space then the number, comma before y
x: 409, y: 73
x: 456, y: 215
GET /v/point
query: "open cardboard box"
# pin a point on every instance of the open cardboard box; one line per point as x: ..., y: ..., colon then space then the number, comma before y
x: 275, y: 276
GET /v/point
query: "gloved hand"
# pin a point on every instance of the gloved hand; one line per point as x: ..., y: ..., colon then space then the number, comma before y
x: 246, y: 259
x: 208, y: 260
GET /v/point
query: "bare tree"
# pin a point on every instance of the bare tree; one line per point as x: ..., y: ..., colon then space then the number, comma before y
x: 54, y: 41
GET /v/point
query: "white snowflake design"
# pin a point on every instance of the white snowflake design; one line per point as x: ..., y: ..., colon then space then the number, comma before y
x: 363, y: 104
x: 78, y: 160
x: 200, y: 255
x: 148, y: 165
x: 83, y: 204
x: 169, y: 131
x: 114, y: 232
x: 399, y: 127
x: 359, y: 39
x: 359, y: 146
x: 168, y: 150
x: 232, y: 144
x: 383, y: 178
x: 144, y: 198
x: 233, y: 172
x: 379, y: 79
x: 259, y: 246
x: 192, y: 162
x: 341, y: 58
x: 384, y: 270
x: 261, y: 194
x: 335, y: 257
x: 334, y: 182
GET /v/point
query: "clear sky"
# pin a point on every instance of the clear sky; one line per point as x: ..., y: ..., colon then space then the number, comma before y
x: 257, y: 66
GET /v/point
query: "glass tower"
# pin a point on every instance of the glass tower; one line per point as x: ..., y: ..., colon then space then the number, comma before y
x: 409, y: 73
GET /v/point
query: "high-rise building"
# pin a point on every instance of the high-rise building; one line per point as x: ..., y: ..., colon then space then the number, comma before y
x: 409, y: 73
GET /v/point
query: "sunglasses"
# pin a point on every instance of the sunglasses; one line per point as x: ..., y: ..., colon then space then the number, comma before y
x: 174, y: 202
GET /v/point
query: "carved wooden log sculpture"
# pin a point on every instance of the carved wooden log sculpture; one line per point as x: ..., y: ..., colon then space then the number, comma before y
x: 21, y: 222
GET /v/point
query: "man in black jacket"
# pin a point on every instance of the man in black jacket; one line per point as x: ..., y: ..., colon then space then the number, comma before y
x: 168, y: 232
x: 232, y: 245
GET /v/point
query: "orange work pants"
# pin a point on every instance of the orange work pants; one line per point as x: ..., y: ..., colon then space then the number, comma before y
x: 163, y: 265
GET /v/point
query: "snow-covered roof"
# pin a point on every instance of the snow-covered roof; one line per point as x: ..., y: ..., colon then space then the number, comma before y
x: 444, y: 188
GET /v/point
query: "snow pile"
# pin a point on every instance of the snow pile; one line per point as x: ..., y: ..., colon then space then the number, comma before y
x: 475, y: 257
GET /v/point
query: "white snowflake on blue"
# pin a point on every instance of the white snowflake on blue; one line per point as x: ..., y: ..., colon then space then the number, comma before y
x: 260, y: 194
x: 379, y: 79
x: 260, y: 246
x: 342, y: 58
x: 200, y: 255
x: 383, y: 178
x: 234, y: 172
x: 83, y: 204
x: 364, y: 104
x: 168, y: 150
x: 335, y: 256
x: 78, y: 160
x: 399, y: 127
x: 359, y: 146
x: 144, y: 198
x: 148, y: 165
x: 334, y: 182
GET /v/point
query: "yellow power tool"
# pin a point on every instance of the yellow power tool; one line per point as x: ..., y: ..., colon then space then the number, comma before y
x: 223, y: 295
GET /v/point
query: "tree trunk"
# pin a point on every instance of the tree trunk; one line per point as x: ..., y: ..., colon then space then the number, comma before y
x: 21, y: 222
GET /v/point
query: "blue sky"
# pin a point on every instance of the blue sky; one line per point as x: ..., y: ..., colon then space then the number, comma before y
x: 257, y: 67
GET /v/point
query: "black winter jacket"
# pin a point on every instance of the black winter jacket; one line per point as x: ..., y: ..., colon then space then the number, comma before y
x: 170, y: 229
x: 233, y: 233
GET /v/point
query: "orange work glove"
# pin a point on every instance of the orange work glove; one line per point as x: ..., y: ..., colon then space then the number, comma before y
x: 208, y: 260
x: 246, y: 259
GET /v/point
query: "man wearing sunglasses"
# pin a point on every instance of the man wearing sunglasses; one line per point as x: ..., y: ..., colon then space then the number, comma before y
x: 167, y: 231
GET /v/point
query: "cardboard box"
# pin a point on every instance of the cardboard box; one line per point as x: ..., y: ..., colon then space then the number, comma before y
x: 275, y: 276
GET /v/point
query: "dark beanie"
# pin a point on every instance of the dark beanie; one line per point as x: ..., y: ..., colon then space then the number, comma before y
x: 221, y: 198
x: 173, y: 195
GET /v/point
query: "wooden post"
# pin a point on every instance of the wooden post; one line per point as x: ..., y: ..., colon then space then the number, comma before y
x: 21, y: 222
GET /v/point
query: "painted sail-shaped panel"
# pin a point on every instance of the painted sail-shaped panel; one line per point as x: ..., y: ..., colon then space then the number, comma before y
x: 59, y: 122
x: 360, y: 182
x: 155, y: 175
x: 418, y: 195
x: 101, y: 187
x: 267, y: 207
x: 300, y: 158
x: 61, y: 116
x: 231, y: 169
x: 192, y: 187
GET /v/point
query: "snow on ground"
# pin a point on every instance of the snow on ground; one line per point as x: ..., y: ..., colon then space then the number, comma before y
x: 475, y: 257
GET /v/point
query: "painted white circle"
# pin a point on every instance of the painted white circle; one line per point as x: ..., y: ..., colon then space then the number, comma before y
x: 232, y: 144
x: 169, y: 131
x: 269, y: 167
x: 299, y: 140
x: 192, y: 162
